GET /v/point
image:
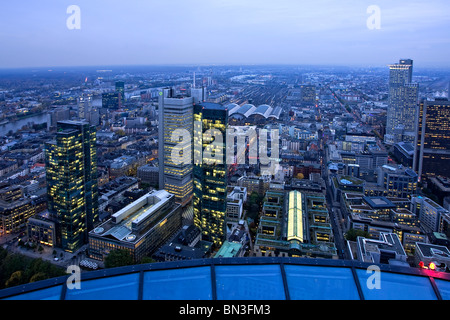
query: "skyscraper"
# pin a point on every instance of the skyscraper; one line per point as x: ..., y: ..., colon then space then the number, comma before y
x: 87, y: 110
x: 403, y: 99
x: 71, y: 173
x: 432, y: 155
x: 84, y: 104
x: 175, y: 175
x: 210, y: 171
x: 111, y: 100
x: 120, y: 88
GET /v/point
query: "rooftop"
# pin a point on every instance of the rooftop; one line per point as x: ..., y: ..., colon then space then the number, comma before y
x: 228, y: 250
x: 125, y: 224
x: 433, y: 250
x: 268, y: 278
x: 212, y: 106
x: 379, y: 202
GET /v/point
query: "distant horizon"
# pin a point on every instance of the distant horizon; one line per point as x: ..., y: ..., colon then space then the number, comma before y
x: 207, y: 65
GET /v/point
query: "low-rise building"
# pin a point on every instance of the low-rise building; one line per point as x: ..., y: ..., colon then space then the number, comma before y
x: 429, y: 212
x: 376, y: 215
x: 427, y: 253
x: 236, y: 198
x: 295, y: 224
x: 41, y: 230
x: 148, y: 174
x: 386, y: 250
x: 15, y: 210
x: 344, y: 183
x: 140, y: 228
x: 254, y: 184
x: 398, y: 180
x: 230, y: 250
x: 185, y: 245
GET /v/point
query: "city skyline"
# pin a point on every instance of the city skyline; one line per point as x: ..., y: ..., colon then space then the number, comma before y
x: 224, y: 32
x: 225, y: 150
x: 339, y: 193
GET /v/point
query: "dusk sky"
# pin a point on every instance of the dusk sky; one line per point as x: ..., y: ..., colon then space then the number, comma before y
x: 147, y: 32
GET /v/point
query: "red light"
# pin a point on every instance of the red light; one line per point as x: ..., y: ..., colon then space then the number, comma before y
x: 421, y: 264
x: 432, y: 266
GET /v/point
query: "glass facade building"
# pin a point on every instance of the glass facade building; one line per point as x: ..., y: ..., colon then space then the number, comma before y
x: 432, y: 156
x: 210, y: 171
x: 72, y: 188
x: 111, y: 100
x: 120, y: 89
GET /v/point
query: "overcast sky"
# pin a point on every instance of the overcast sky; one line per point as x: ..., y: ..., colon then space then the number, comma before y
x: 148, y: 32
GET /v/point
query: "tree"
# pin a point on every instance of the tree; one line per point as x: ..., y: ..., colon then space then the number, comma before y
x: 300, y: 176
x: 352, y: 234
x: 38, y: 277
x: 147, y: 260
x: 253, y: 211
x: 118, y: 258
x: 16, y: 269
x: 15, y: 279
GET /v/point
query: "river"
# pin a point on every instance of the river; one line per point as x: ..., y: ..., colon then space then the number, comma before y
x: 17, y: 125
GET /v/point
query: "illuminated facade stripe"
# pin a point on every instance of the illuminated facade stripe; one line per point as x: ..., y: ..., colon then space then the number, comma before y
x: 295, y: 217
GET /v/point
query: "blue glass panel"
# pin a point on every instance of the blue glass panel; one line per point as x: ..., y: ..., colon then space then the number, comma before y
x: 394, y: 286
x: 178, y: 284
x: 444, y: 288
x: 111, y: 288
x: 249, y: 282
x: 53, y: 293
x: 320, y: 283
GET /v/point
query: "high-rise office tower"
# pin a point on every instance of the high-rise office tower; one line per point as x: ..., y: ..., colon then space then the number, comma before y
x: 403, y: 100
x: 84, y: 104
x: 432, y: 155
x: 210, y: 171
x: 120, y: 88
x: 72, y: 189
x: 111, y: 100
x: 175, y: 175
x: 87, y: 110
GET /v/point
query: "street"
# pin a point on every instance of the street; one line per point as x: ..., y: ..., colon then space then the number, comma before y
x: 335, y: 215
